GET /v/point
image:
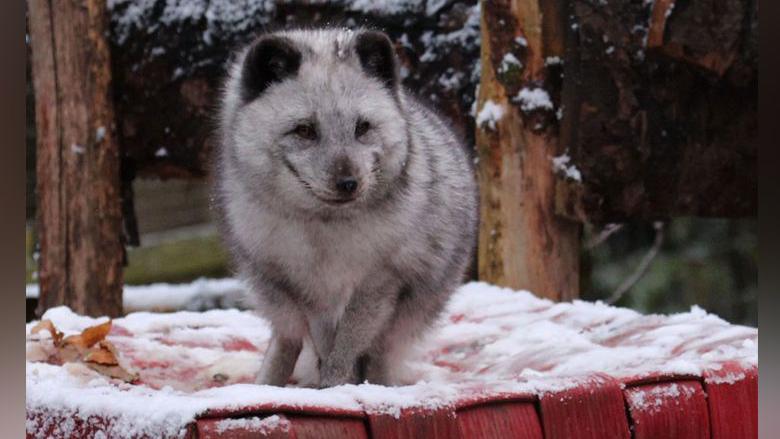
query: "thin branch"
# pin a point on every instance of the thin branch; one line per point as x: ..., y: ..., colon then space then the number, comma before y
x: 605, y: 233
x: 643, y: 266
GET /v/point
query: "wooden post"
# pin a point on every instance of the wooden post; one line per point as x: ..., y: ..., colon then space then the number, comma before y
x: 79, y: 217
x: 523, y: 244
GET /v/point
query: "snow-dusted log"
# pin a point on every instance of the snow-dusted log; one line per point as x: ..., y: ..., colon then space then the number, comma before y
x: 79, y: 222
x: 523, y: 244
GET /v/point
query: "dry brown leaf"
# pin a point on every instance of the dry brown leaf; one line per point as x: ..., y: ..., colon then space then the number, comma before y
x: 89, y: 348
x: 102, y: 355
x: 48, y: 326
x: 89, y: 336
x: 113, y: 371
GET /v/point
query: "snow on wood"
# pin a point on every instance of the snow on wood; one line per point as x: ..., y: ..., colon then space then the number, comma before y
x: 561, y: 164
x: 490, y: 114
x: 254, y: 424
x: 531, y: 99
x: 490, y: 341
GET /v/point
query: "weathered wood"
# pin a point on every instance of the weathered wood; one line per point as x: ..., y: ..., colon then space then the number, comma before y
x: 79, y: 219
x: 661, y: 119
x: 523, y: 244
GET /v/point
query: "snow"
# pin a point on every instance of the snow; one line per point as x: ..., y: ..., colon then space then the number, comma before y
x: 509, y: 62
x: 75, y: 148
x: 531, y: 99
x: 561, y: 164
x: 221, y: 16
x: 490, y: 114
x: 451, y: 80
x: 392, y: 7
x: 653, y: 399
x: 490, y: 340
x: 466, y: 37
x: 100, y: 134
x: 254, y: 424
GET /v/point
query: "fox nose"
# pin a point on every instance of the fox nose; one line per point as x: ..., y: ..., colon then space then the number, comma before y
x: 347, y: 185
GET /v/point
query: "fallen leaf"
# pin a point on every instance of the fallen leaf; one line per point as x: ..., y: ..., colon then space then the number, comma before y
x: 113, y: 371
x: 89, y: 336
x: 48, y: 326
x: 102, y: 354
x: 89, y: 348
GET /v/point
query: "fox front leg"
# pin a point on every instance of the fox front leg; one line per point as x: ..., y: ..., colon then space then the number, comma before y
x: 366, y: 315
x: 279, y: 360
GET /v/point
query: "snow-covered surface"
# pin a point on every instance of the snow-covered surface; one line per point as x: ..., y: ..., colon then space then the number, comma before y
x: 561, y: 164
x: 653, y: 399
x: 490, y: 114
x: 490, y: 340
x: 254, y: 424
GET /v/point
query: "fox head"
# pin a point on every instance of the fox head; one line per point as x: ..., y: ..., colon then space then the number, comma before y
x: 320, y: 126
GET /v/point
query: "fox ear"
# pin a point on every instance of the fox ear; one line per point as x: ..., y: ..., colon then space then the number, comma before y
x: 269, y: 59
x: 377, y: 57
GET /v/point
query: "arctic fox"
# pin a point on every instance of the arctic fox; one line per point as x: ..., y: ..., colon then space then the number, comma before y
x: 349, y: 208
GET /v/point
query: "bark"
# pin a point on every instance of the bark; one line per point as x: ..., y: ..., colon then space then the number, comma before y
x: 79, y: 219
x: 523, y: 244
x: 661, y: 116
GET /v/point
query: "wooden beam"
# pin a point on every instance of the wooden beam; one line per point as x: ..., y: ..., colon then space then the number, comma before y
x: 79, y: 217
x: 523, y: 244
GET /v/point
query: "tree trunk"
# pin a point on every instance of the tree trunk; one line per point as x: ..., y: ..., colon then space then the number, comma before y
x: 523, y: 244
x: 79, y: 217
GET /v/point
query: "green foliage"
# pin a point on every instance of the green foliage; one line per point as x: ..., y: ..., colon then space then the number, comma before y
x: 708, y: 262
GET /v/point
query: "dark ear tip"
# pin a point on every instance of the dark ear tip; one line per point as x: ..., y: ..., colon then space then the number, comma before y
x: 269, y: 59
x: 374, y: 37
x: 377, y: 56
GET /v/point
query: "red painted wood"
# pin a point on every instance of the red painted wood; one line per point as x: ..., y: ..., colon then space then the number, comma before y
x: 671, y: 410
x: 732, y: 396
x: 593, y: 410
x: 415, y: 423
x: 211, y: 429
x: 324, y: 427
x: 269, y: 409
x: 517, y: 420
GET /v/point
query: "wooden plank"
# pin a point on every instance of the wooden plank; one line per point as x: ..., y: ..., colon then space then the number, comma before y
x: 78, y: 187
x: 517, y: 420
x: 593, y: 410
x: 732, y: 397
x: 324, y: 427
x: 672, y: 410
x: 415, y: 423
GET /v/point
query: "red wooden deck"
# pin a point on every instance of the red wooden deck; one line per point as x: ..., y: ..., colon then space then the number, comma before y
x: 668, y: 407
x: 720, y: 402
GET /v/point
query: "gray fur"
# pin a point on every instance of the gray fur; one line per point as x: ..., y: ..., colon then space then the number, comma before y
x: 359, y: 280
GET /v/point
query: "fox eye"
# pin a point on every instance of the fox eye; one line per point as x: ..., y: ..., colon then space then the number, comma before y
x: 361, y: 127
x: 305, y: 131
